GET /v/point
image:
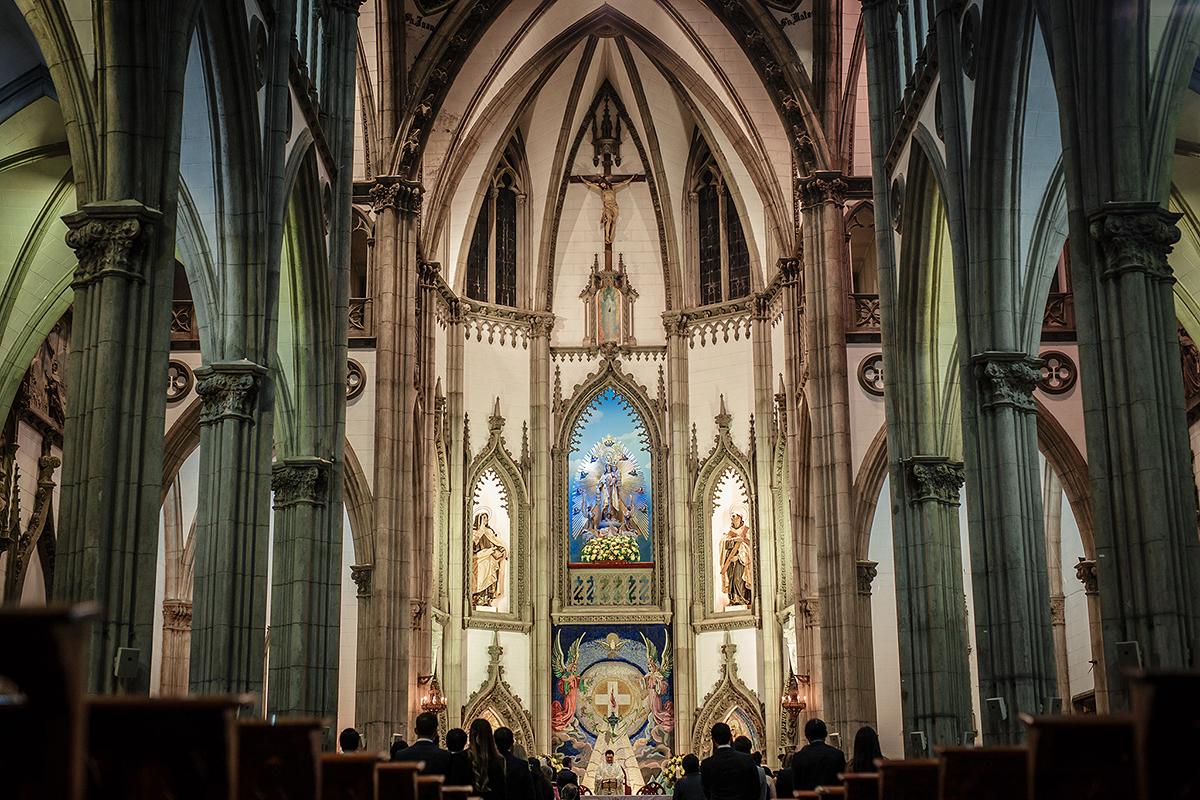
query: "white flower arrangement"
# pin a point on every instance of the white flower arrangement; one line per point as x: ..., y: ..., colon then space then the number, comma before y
x: 619, y: 548
x: 672, y: 771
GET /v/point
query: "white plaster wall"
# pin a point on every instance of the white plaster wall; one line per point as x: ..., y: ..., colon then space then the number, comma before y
x: 748, y: 658
x: 1067, y: 408
x: 360, y: 415
x: 726, y: 368
x: 866, y: 410
x: 516, y: 662
x: 492, y: 371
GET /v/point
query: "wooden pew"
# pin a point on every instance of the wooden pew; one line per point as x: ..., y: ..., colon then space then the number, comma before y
x: 142, y: 748
x: 1166, y: 714
x: 805, y: 794
x: 429, y: 787
x: 348, y: 777
x: 983, y: 773
x: 43, y: 729
x: 281, y: 761
x: 398, y: 779
x: 910, y: 779
x: 861, y: 785
x: 457, y: 792
x: 1081, y: 756
x: 831, y: 791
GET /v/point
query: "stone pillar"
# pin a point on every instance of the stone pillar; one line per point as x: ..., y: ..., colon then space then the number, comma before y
x: 770, y: 584
x: 386, y: 681
x: 177, y: 605
x: 685, y: 606
x: 305, y: 590
x: 176, y: 647
x: 934, y: 647
x: 1008, y: 545
x: 1085, y: 570
x: 848, y: 689
x: 232, y: 525
x: 112, y: 449
x: 1139, y: 460
x: 456, y: 689
x: 540, y: 563
x: 1052, y: 503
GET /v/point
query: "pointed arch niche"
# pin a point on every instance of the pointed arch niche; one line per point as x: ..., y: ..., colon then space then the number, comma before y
x: 494, y: 701
x: 725, y: 536
x: 731, y: 702
x: 609, y: 483
x: 496, y: 258
x: 496, y: 513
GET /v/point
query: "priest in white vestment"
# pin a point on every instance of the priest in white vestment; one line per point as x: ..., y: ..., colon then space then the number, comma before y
x: 610, y: 776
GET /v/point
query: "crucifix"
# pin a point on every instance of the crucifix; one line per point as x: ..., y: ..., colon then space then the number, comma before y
x: 607, y: 184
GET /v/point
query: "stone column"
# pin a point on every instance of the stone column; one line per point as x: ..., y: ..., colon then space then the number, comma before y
x: 386, y: 680
x: 456, y: 689
x: 232, y: 525
x: 112, y: 449
x: 1139, y: 460
x: 176, y: 647
x: 305, y: 590
x: 177, y: 603
x: 934, y: 647
x: 1052, y: 503
x: 848, y: 689
x: 1085, y: 570
x: 541, y: 564
x: 685, y: 606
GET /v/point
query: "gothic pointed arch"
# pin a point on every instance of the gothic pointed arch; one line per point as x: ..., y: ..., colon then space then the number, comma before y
x: 730, y: 701
x: 495, y: 261
x: 495, y: 701
x: 726, y: 568
x: 496, y: 511
x: 640, y: 583
x: 720, y: 253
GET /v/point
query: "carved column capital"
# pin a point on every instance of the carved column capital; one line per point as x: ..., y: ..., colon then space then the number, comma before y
x: 393, y: 192
x: 675, y: 323
x: 228, y: 390
x: 1058, y: 610
x: 107, y: 238
x: 1007, y: 379
x: 427, y: 273
x: 177, y: 615
x: 418, y: 612
x: 541, y: 324
x: 300, y: 480
x: 1134, y: 237
x: 1085, y: 570
x: 823, y: 187
x: 867, y: 570
x: 935, y: 478
x: 810, y: 608
x: 361, y: 575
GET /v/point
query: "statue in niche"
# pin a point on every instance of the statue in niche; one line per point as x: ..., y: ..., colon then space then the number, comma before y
x: 735, y: 559
x: 488, y: 558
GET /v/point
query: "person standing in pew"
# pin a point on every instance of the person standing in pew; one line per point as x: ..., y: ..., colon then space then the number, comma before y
x: 483, y: 764
x: 425, y: 748
x: 349, y: 740
x: 866, y: 750
x: 728, y: 774
x: 817, y: 764
x: 518, y: 779
x: 689, y: 787
x: 456, y: 740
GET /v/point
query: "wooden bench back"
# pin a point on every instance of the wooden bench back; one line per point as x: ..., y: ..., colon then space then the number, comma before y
x: 1166, y: 712
x: 348, y: 777
x: 398, y: 779
x: 429, y: 787
x: 1081, y: 756
x: 861, y: 785
x: 983, y: 773
x: 281, y: 761
x: 909, y: 779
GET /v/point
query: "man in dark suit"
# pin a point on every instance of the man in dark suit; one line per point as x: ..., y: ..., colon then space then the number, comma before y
x: 689, y: 787
x: 519, y: 784
x: 425, y: 748
x: 566, y: 774
x: 817, y: 764
x: 728, y: 774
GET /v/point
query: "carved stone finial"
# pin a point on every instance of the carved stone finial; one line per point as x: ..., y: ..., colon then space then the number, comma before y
x: 496, y: 421
x: 1085, y: 570
x: 106, y: 238
x: 866, y: 574
x: 723, y: 418
x: 297, y: 481
x: 361, y: 575
x: 228, y: 390
x: 1134, y: 237
x: 934, y: 478
x: 1007, y: 379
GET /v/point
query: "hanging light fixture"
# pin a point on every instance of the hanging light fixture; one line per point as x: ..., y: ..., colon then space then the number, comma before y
x: 793, y: 702
x: 432, y: 701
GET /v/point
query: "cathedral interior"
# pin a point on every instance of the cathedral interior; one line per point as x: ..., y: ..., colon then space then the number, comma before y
x: 608, y: 370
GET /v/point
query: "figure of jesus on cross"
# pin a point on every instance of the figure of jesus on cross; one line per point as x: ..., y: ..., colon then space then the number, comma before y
x: 607, y: 184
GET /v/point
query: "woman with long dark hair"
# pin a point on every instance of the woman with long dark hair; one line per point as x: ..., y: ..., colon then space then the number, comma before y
x: 487, y: 765
x: 866, y: 750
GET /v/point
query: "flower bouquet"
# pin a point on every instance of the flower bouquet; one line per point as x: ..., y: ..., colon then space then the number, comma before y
x: 552, y: 759
x: 672, y: 770
x: 617, y: 548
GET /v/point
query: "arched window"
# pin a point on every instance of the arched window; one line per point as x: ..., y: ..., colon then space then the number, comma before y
x: 723, y: 258
x: 493, y: 257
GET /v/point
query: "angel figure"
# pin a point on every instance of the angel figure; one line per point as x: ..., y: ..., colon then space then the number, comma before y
x: 566, y: 671
x: 658, y: 669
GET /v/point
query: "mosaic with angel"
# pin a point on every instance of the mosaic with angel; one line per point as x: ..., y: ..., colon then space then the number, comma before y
x: 610, y: 489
